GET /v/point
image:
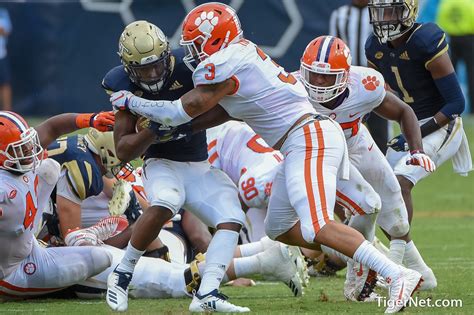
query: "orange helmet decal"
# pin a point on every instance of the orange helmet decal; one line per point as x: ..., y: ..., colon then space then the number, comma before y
x: 207, y: 29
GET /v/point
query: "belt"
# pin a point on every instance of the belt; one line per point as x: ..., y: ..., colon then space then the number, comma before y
x: 300, y: 124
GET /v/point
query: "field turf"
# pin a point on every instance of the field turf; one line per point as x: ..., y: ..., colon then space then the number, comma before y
x: 443, y: 229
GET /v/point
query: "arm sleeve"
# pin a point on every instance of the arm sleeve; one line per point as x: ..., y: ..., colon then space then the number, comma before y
x: 449, y: 88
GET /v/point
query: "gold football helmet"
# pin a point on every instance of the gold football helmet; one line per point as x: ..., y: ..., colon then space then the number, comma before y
x: 145, y: 54
x: 102, y: 144
x: 392, y: 18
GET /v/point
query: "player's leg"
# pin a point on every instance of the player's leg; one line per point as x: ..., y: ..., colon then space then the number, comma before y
x: 165, y: 192
x: 196, y: 231
x: 213, y: 198
x: 311, y: 168
x: 47, y: 270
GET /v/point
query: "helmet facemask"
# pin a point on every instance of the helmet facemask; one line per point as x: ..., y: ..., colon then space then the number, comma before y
x: 390, y: 20
x: 152, y: 73
x: 25, y: 154
x: 323, y: 94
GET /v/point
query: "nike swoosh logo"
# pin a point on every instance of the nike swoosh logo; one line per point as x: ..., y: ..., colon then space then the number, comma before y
x: 360, y: 272
x: 352, y: 115
x: 371, y: 146
x: 401, y: 291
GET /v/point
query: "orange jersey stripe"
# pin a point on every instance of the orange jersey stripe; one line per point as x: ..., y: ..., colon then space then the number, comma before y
x: 213, y: 157
x: 319, y: 167
x: 351, y: 203
x: 211, y: 144
x: 307, y: 178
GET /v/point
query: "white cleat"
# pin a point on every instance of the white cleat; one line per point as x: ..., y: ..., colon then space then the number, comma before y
x: 429, y: 280
x: 284, y: 263
x: 350, y: 283
x: 365, y: 281
x: 402, y: 288
x: 214, y: 302
x: 108, y: 227
x: 120, y: 197
x: 117, y: 290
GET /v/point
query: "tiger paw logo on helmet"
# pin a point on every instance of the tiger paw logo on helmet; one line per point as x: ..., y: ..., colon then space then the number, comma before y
x: 206, y: 22
x: 370, y: 83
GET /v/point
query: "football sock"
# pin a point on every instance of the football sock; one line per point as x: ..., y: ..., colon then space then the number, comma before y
x: 218, y: 256
x: 130, y: 259
x: 413, y: 259
x: 251, y: 249
x: 246, y: 266
x: 397, y: 251
x: 369, y: 256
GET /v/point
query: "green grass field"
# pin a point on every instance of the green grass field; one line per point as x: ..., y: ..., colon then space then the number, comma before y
x: 443, y: 229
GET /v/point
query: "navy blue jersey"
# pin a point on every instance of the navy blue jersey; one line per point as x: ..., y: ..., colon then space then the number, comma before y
x: 84, y: 173
x: 189, y: 149
x: 405, y: 68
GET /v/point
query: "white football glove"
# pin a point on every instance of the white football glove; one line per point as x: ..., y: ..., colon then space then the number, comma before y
x: 81, y: 237
x: 121, y: 100
x: 421, y: 159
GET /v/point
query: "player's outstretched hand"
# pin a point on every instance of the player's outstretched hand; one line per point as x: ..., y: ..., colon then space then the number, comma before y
x: 103, y: 121
x: 121, y: 100
x: 399, y: 143
x: 421, y: 159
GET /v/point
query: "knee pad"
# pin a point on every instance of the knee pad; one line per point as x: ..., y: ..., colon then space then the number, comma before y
x: 169, y: 198
x: 399, y: 229
x: 373, y: 202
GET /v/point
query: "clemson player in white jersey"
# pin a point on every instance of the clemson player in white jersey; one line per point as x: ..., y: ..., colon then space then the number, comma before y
x: 348, y: 93
x: 239, y: 76
x: 27, y: 179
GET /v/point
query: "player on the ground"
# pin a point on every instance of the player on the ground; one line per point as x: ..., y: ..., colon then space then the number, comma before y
x: 27, y: 179
x: 413, y: 58
x: 348, y: 93
x: 239, y: 76
x: 176, y: 174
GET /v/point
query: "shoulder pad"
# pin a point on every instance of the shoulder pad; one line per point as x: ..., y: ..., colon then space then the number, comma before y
x: 372, y: 46
x: 372, y: 85
x: 117, y: 79
x: 219, y: 67
x: 85, y: 178
x: 429, y: 42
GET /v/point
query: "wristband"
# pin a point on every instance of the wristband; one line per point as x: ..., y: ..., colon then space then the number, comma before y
x: 84, y: 120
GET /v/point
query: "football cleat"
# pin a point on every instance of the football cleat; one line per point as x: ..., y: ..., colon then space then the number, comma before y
x: 117, y: 290
x: 214, y: 302
x: 120, y: 197
x: 429, y: 280
x: 402, y: 288
x: 365, y: 282
x: 350, y: 283
x: 108, y: 227
x: 284, y: 263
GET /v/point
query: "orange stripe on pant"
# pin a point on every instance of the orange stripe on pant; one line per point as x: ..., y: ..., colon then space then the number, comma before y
x: 20, y: 289
x: 319, y: 167
x: 307, y: 177
x: 351, y: 203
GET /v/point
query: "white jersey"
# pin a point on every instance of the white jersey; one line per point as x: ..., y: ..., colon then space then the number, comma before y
x: 267, y: 98
x: 246, y: 158
x: 21, y: 196
x: 366, y: 92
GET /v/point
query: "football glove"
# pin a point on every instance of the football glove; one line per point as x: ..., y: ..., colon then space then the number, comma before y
x: 103, y: 121
x: 399, y: 143
x: 420, y: 158
x: 166, y: 133
x: 121, y: 100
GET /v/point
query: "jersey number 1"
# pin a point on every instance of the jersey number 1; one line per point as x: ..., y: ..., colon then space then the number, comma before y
x: 406, y: 97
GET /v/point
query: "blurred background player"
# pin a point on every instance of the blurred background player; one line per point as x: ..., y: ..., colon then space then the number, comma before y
x: 27, y: 179
x: 175, y: 173
x: 348, y: 93
x: 351, y: 23
x: 414, y: 60
x: 5, y: 88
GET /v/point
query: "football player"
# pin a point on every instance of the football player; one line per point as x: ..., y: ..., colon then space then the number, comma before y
x: 27, y: 178
x: 348, y: 93
x: 413, y: 58
x: 176, y: 174
x: 238, y: 75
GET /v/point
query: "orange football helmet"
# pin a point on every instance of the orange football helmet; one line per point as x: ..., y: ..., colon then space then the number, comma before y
x: 325, y: 55
x: 207, y: 29
x: 20, y: 149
